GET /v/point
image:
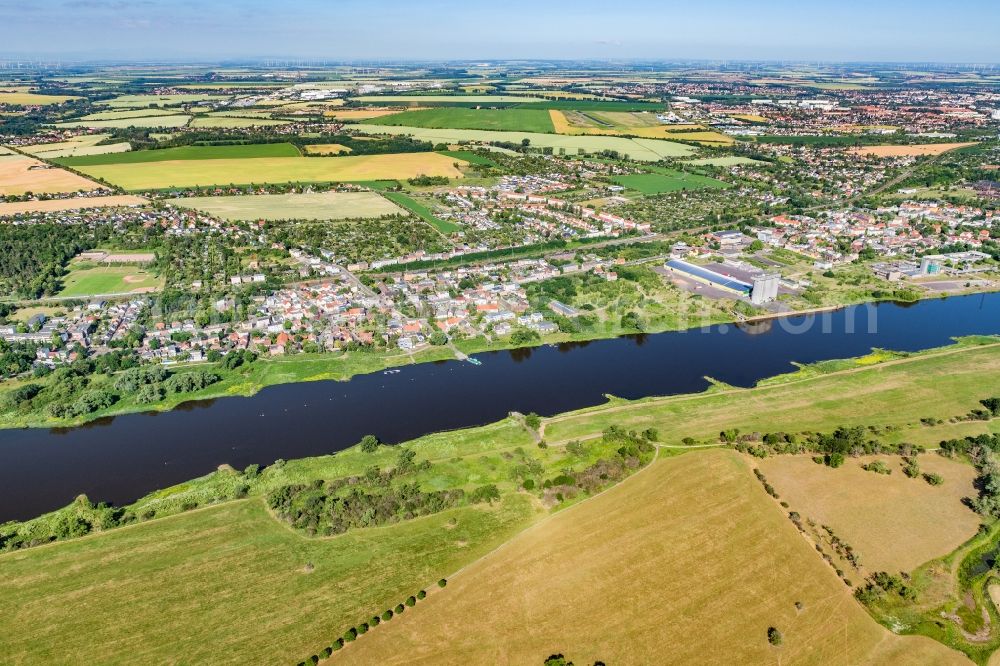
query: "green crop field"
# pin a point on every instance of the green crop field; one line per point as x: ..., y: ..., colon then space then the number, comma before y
x: 820, y: 141
x: 470, y: 157
x: 102, y: 280
x: 187, y: 153
x: 482, y: 119
x: 190, y: 173
x: 647, y: 150
x: 306, y: 206
x: 668, y: 181
x: 421, y: 211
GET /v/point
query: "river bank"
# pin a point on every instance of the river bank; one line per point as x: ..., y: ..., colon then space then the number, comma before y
x: 248, y: 381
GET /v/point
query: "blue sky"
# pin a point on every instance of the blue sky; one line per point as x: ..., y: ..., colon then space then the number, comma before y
x: 890, y: 30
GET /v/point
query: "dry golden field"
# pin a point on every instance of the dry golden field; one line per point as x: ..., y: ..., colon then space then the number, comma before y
x: 893, y: 522
x: 20, y: 174
x: 907, y: 151
x: 689, y: 561
x: 69, y: 204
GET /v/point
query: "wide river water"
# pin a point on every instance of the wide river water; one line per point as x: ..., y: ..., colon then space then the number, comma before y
x: 119, y: 459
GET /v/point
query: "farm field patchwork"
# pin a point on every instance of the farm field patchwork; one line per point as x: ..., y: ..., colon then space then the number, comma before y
x: 85, y: 279
x: 482, y: 119
x: 690, y: 539
x: 893, y: 522
x: 306, y: 206
x: 20, y: 174
x: 189, y: 173
x: 50, y: 205
x: 647, y: 150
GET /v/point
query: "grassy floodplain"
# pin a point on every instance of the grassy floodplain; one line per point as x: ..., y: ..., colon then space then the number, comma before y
x: 228, y: 583
x: 305, y: 206
x: 189, y: 173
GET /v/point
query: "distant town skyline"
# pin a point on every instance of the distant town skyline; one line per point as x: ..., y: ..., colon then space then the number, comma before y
x: 852, y: 30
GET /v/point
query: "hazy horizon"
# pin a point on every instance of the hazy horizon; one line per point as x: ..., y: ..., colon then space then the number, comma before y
x: 438, y: 30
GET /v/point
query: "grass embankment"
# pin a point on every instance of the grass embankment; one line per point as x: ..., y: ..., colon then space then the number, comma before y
x: 228, y: 583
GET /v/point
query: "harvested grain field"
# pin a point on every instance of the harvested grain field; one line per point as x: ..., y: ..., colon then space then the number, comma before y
x: 893, y: 522
x: 688, y: 561
x: 308, y: 206
x: 920, y: 150
x: 326, y: 149
x: 187, y: 173
x: 20, y: 174
x: 53, y: 205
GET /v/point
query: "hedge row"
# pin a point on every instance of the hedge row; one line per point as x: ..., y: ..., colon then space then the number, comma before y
x: 353, y: 633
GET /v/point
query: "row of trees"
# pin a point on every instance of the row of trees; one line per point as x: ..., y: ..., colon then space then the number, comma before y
x: 363, y: 628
